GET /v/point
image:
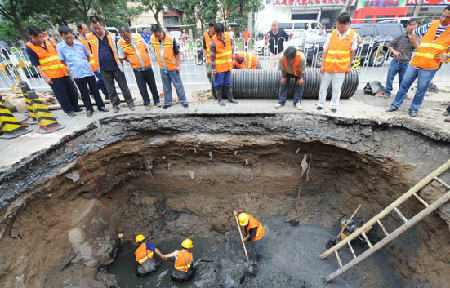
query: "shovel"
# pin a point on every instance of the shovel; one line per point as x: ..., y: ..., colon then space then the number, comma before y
x: 250, y: 268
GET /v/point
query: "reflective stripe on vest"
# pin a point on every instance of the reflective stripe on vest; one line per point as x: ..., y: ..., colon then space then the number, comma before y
x: 49, y: 60
x: 131, y: 50
x: 296, y: 63
x: 253, y: 223
x: 93, y: 40
x: 164, y: 51
x: 429, y: 48
x: 183, y: 261
x: 224, y: 57
x: 208, y: 48
x: 338, y: 53
x: 142, y: 254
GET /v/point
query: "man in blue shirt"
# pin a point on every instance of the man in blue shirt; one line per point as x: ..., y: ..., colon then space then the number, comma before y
x: 146, y: 36
x: 76, y: 56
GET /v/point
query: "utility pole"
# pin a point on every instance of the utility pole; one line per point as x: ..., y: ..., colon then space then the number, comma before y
x: 417, y: 8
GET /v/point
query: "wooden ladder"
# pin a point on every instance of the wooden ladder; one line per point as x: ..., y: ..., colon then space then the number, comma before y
x: 407, y: 223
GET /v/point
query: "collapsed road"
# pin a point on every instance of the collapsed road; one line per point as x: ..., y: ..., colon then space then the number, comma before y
x: 176, y: 177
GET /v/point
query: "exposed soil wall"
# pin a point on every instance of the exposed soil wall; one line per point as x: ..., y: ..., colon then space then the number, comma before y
x: 182, y: 177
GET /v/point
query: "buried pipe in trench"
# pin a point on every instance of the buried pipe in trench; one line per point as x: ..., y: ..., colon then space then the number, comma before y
x: 264, y: 84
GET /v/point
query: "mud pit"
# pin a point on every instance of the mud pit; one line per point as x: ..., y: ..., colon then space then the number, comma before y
x: 157, y: 179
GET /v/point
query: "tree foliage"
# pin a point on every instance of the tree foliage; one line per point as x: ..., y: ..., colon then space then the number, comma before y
x: 155, y: 6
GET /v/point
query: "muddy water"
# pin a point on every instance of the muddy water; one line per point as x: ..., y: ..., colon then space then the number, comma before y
x: 290, y: 259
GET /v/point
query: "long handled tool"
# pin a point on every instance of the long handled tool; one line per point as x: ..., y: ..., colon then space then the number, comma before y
x: 242, y: 237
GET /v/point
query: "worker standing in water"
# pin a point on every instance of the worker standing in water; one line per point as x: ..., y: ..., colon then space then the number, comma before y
x: 145, y: 256
x: 183, y: 261
x: 253, y: 230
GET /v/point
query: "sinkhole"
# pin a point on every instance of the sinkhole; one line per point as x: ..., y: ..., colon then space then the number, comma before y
x: 175, y: 178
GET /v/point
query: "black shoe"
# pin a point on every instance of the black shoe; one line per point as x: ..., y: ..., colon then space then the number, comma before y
x: 166, y: 106
x: 333, y: 110
x: 71, y: 114
x: 78, y: 110
x: 221, y: 103
x: 319, y: 107
x: 391, y: 109
x: 89, y: 113
x: 413, y: 113
x: 116, y: 109
x: 446, y: 113
x: 185, y: 105
x: 132, y: 107
x: 103, y: 109
x: 219, y: 94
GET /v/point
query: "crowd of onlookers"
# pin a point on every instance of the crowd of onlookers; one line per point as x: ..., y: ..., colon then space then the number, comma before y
x: 95, y: 61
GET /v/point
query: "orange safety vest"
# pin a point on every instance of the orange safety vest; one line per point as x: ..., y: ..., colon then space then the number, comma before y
x: 168, y: 59
x: 429, y: 48
x: 252, y: 61
x: 93, y: 40
x: 49, y: 60
x: 224, y: 57
x: 208, y: 42
x: 184, y: 260
x: 296, y: 62
x: 86, y: 43
x: 338, y: 53
x: 136, y: 52
x: 253, y: 223
x: 142, y: 254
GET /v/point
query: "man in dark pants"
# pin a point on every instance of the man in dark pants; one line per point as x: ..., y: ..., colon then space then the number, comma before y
x: 133, y: 49
x: 44, y: 57
x: 82, y: 32
x: 291, y: 65
x: 402, y: 48
x: 75, y: 55
x: 104, y: 50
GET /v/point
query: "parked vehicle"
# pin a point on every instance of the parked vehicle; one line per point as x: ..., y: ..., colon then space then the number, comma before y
x: 373, y: 48
x: 139, y: 28
x: 113, y: 30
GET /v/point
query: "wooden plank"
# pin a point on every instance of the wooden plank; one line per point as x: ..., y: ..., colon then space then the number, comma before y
x: 442, y: 182
x: 367, y: 239
x: 411, y: 222
x: 421, y: 200
x: 388, y: 209
x: 400, y: 215
x: 382, y: 227
x: 351, y: 249
x: 338, y: 258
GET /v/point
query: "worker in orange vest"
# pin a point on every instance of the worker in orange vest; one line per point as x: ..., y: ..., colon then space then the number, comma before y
x: 183, y: 261
x: 246, y: 60
x: 292, y: 66
x: 44, y: 57
x: 133, y: 49
x: 145, y: 256
x: 253, y: 231
x: 426, y: 62
x: 47, y: 37
x: 168, y: 54
x: 83, y: 30
x: 338, y: 53
x: 221, y: 52
x: 105, y: 55
x: 207, y: 37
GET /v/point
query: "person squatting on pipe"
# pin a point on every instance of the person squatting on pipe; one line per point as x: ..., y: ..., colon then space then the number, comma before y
x: 338, y: 53
x: 221, y: 53
x: 292, y: 65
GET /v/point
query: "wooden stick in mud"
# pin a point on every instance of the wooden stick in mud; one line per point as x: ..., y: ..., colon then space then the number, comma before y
x: 242, y: 237
x: 348, y: 221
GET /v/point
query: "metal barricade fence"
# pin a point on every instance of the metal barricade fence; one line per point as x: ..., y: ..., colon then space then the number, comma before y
x: 372, y: 59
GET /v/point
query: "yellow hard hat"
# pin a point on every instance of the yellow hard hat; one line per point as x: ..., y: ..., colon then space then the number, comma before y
x: 187, y: 243
x: 243, y: 219
x: 140, y: 238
